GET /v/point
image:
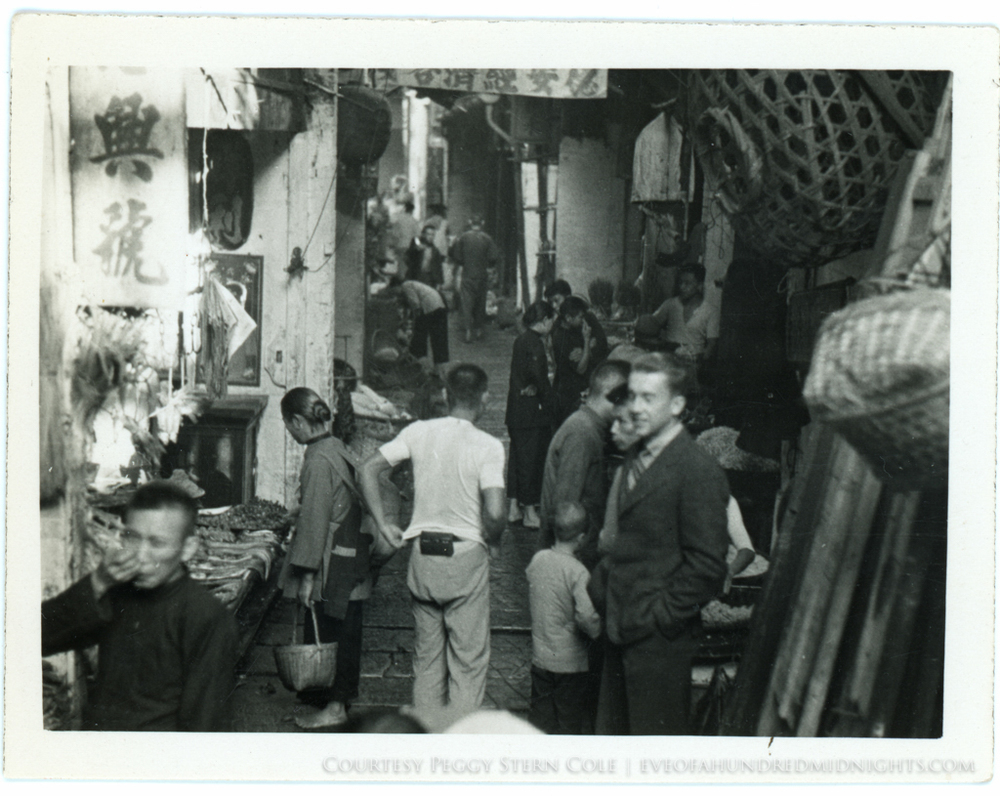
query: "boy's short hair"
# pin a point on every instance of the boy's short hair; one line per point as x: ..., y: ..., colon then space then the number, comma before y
x: 165, y: 495
x: 570, y: 521
x: 466, y: 385
x: 572, y: 306
x: 608, y: 373
x: 558, y: 288
x: 679, y: 374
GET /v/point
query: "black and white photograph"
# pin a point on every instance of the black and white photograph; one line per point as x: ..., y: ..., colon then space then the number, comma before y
x: 446, y: 395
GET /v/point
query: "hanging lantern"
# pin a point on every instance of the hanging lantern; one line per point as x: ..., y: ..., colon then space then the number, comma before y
x: 364, y: 124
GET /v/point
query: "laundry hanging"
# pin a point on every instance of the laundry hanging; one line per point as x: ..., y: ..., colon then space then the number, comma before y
x: 657, y: 162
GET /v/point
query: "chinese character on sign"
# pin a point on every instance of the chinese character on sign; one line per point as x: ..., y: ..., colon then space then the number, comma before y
x: 460, y: 79
x: 542, y: 79
x: 426, y: 77
x: 583, y: 82
x: 500, y: 81
x: 119, y: 251
x: 126, y: 127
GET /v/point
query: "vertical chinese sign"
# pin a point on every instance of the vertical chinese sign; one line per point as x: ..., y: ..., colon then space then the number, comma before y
x: 129, y: 178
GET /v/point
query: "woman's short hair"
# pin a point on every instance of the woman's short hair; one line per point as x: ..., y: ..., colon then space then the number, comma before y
x: 307, y: 404
x: 538, y: 312
x: 558, y: 288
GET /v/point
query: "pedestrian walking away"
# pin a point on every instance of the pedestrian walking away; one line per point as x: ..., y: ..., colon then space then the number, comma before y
x: 458, y: 514
x: 473, y: 253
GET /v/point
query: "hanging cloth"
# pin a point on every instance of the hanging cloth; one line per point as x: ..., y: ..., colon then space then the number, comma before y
x: 657, y: 162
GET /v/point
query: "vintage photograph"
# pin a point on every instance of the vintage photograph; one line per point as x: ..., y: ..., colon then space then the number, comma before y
x: 581, y: 400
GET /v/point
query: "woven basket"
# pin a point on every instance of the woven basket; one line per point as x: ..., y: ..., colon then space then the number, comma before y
x: 305, y: 666
x: 880, y: 377
x: 802, y: 160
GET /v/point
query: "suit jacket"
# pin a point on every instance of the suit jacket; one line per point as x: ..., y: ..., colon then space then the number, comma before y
x: 669, y: 556
x: 529, y: 368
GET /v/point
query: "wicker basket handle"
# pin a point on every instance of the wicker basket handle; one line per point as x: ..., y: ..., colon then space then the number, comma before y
x: 300, y: 622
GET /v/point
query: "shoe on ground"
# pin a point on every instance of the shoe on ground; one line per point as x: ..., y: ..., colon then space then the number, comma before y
x: 331, y: 717
x: 531, y: 518
x: 514, y: 513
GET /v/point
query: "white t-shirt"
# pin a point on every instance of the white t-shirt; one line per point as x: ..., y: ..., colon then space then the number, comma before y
x: 423, y: 296
x: 692, y: 335
x: 453, y: 461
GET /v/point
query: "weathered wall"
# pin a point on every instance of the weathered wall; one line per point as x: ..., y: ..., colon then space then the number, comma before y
x: 591, y: 214
x: 350, y: 264
x: 293, y: 175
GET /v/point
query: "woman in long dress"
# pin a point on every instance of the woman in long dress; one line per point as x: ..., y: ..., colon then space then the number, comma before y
x: 328, y: 565
x: 530, y: 415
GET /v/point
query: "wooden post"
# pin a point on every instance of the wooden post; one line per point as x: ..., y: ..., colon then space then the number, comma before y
x: 522, y: 254
x: 541, y: 274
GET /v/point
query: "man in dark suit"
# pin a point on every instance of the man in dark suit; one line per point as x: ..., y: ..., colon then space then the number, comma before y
x: 665, y: 542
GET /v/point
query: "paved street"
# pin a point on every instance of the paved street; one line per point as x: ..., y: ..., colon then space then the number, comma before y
x: 263, y: 704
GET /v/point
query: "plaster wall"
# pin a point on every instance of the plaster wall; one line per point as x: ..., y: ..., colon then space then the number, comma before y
x: 591, y: 214
x: 293, y: 202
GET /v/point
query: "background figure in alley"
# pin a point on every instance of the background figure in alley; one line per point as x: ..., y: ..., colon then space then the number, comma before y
x: 473, y: 254
x: 578, y: 346
x: 458, y: 514
x: 529, y: 415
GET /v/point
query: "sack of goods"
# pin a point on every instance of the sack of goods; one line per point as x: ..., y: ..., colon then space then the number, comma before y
x: 880, y: 377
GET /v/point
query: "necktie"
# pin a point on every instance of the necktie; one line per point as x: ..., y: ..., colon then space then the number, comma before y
x: 639, y: 465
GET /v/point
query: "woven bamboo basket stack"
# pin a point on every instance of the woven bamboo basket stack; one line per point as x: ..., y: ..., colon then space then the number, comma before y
x: 802, y: 160
x: 880, y: 377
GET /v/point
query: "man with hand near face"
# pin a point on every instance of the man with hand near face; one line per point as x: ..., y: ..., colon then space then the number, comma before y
x: 166, y: 646
x: 664, y: 560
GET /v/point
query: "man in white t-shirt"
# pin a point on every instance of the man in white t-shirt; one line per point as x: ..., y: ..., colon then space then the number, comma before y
x: 458, y: 514
x: 688, y: 319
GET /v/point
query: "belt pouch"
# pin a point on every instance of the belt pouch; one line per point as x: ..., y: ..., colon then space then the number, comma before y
x: 437, y: 544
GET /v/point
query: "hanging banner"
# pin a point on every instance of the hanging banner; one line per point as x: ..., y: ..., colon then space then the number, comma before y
x: 561, y: 83
x: 128, y: 168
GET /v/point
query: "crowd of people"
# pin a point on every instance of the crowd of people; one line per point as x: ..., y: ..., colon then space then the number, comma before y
x: 634, y: 522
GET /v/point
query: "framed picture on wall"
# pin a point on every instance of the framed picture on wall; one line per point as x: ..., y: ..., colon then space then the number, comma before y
x: 241, y: 275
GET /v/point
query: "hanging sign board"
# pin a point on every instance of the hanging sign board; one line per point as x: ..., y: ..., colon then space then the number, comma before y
x: 561, y: 83
x: 129, y: 180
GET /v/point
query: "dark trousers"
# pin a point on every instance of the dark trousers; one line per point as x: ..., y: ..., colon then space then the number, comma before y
x: 347, y: 633
x: 473, y: 295
x: 646, y: 687
x: 433, y: 326
x: 528, y: 447
x: 559, y: 701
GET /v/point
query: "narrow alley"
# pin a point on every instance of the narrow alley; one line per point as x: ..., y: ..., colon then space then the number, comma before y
x: 264, y: 705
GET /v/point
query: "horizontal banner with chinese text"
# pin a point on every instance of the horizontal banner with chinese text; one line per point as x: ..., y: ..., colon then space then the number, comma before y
x: 562, y: 83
